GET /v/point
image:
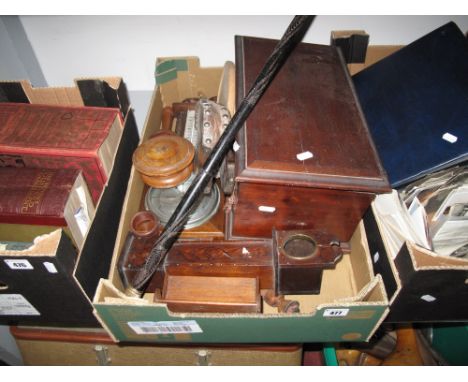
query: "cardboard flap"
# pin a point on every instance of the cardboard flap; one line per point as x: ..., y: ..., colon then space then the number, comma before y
x: 98, y: 92
x: 193, y: 81
x: 353, y: 44
x: 422, y: 286
x: 154, y: 114
x: 134, y: 188
x: 108, y: 92
x: 63, y: 96
x: 373, y: 292
x: 227, y: 87
x: 44, y: 245
x: 433, y: 288
x: 424, y: 259
x: 381, y: 262
x: 107, y: 292
x: 168, y: 69
x: 96, y: 255
x: 374, y: 53
x: 11, y: 91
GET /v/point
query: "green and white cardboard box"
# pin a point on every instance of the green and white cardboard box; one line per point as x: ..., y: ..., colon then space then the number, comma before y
x: 350, y: 307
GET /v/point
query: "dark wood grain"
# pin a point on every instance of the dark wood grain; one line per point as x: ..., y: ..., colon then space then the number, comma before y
x: 323, y: 210
x: 299, y: 267
x: 310, y: 106
x: 220, y: 258
x: 211, y: 294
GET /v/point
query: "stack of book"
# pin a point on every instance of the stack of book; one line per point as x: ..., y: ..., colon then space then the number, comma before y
x: 54, y: 164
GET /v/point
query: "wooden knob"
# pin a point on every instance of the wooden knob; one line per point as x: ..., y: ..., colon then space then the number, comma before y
x: 164, y: 161
x: 167, y: 118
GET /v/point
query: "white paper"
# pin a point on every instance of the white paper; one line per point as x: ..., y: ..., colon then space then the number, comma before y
x: 449, y: 225
x: 452, y: 235
x: 456, y: 196
x: 418, y: 217
x: 397, y: 224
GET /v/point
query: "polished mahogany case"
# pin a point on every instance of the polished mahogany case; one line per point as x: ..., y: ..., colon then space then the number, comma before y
x: 304, y: 159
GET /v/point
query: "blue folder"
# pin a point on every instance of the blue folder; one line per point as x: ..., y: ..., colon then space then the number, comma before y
x: 416, y: 105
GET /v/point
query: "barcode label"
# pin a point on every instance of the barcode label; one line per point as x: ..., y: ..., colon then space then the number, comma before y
x: 164, y: 327
x: 16, y: 305
x: 335, y: 312
x: 19, y: 264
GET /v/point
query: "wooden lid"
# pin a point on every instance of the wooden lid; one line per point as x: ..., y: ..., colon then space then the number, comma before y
x: 164, y: 161
x: 308, y: 128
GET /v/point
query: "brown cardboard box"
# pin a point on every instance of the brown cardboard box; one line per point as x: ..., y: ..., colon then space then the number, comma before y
x: 421, y: 285
x: 51, y: 284
x: 351, y: 305
x: 374, y: 54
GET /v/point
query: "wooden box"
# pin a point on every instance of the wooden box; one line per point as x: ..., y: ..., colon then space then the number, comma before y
x: 219, y: 258
x: 210, y: 294
x: 304, y: 159
x: 93, y: 347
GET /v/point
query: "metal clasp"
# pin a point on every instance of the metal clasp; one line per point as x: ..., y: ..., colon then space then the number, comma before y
x: 203, y: 357
x: 102, y: 355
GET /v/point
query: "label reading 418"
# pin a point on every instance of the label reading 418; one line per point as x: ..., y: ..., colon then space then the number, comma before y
x: 19, y: 264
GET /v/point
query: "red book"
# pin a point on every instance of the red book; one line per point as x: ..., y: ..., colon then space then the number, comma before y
x: 44, y: 136
x: 45, y: 197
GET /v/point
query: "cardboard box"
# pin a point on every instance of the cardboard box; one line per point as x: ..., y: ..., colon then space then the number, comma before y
x: 421, y: 285
x: 374, y: 53
x: 350, y: 307
x: 49, y: 284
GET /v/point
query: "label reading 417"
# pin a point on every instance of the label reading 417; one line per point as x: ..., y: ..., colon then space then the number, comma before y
x: 335, y: 312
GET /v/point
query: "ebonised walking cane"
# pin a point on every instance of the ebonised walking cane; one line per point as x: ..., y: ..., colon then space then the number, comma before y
x: 293, y: 35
